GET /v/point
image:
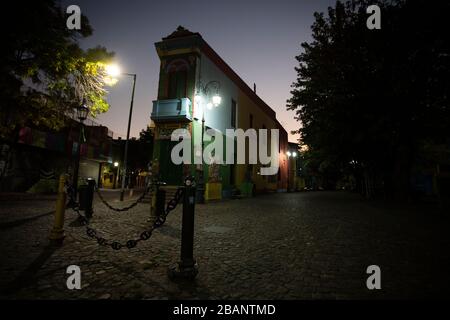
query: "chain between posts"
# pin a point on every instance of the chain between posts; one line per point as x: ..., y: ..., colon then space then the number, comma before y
x: 145, y: 235
x: 147, y: 189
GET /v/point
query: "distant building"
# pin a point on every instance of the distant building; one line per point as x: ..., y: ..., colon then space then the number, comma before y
x: 188, y: 63
x: 41, y: 153
x: 138, y: 161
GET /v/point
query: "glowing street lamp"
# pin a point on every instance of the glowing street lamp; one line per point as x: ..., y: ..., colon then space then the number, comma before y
x: 204, y: 92
x: 82, y: 112
x: 198, y: 98
x: 116, y: 178
x: 290, y: 154
x: 113, y: 70
x: 216, y: 100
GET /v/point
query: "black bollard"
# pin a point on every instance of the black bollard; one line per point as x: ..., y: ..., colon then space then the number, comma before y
x: 160, y: 201
x: 91, y: 189
x: 86, y: 197
x: 200, y: 188
x: 187, y: 268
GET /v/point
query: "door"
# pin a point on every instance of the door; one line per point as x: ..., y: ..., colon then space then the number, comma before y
x: 171, y: 173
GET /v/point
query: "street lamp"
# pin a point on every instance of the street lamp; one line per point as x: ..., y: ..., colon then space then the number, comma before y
x: 293, y: 155
x: 202, y: 94
x: 116, y: 177
x: 82, y: 114
x: 114, y: 71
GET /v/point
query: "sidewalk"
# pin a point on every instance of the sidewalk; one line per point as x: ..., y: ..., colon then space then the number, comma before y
x: 23, y: 196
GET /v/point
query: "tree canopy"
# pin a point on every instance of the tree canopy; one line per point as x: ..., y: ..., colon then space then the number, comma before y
x: 146, y: 135
x: 370, y: 98
x: 45, y: 74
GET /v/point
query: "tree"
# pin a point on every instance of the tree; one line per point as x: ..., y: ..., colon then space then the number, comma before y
x: 367, y: 99
x: 144, y: 150
x: 146, y: 135
x: 44, y: 72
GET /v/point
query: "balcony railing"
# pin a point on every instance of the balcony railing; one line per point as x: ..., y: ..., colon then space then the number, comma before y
x: 172, y: 110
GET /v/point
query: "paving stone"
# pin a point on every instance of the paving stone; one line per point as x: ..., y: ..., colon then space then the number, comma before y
x: 314, y: 245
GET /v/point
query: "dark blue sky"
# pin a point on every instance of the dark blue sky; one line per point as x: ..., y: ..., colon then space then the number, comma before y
x: 258, y: 39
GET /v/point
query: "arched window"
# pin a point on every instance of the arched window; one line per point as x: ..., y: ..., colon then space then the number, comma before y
x: 177, y: 75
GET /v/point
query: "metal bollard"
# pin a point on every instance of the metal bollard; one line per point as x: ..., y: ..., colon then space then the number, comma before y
x: 86, y: 197
x: 160, y: 201
x: 153, y: 208
x: 57, y: 233
x: 200, y: 188
x: 187, y: 268
x: 157, y: 206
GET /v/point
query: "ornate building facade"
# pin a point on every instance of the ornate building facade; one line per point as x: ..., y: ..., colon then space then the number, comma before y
x: 189, y: 66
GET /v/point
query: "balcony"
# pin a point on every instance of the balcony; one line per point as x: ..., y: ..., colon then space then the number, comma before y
x: 171, y: 110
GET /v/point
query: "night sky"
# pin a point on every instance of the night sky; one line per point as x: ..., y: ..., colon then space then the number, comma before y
x: 258, y: 39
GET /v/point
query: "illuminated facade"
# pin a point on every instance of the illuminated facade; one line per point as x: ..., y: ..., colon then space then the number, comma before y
x: 189, y: 66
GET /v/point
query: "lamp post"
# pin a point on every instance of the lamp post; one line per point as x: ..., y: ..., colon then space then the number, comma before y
x: 116, y: 177
x: 289, y: 155
x: 205, y: 91
x: 82, y: 114
x: 114, y: 71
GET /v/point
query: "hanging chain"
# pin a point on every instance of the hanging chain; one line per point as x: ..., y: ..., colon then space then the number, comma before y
x: 147, y: 189
x: 171, y: 205
x: 145, y: 235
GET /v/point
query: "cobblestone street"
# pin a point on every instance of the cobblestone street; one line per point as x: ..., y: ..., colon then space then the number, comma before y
x: 277, y: 246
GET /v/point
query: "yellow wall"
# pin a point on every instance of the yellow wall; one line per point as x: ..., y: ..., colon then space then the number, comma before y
x: 245, y: 107
x: 108, y: 177
x: 213, y: 191
x: 207, y: 64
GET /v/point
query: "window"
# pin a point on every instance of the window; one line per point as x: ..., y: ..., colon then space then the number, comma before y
x: 233, y: 113
x: 177, y: 84
x: 177, y: 79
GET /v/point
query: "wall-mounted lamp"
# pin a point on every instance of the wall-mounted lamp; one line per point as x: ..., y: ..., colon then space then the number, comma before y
x: 204, y: 92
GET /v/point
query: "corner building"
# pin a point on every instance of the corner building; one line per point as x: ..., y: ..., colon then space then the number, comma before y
x: 189, y: 68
